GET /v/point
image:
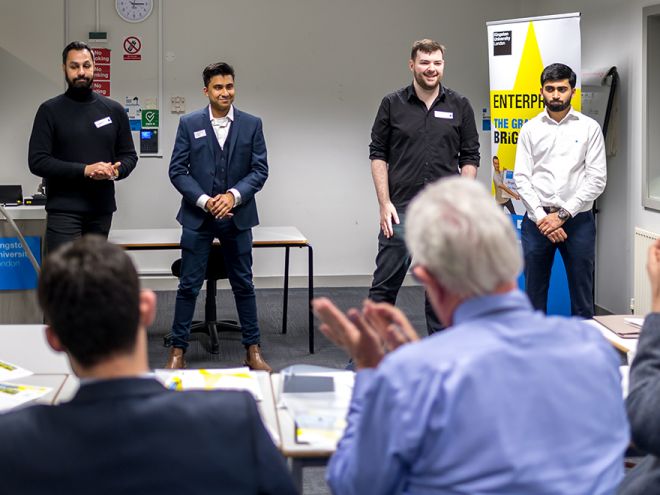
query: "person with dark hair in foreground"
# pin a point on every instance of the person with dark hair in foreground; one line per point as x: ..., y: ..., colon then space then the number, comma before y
x: 643, y: 402
x: 505, y: 400
x: 123, y: 432
x: 80, y: 144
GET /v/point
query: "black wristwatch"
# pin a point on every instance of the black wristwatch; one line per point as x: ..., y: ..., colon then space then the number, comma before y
x: 563, y: 214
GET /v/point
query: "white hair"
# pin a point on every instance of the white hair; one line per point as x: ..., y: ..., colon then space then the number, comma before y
x: 457, y: 232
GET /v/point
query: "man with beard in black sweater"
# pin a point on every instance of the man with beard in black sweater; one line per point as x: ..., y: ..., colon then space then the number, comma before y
x: 81, y: 142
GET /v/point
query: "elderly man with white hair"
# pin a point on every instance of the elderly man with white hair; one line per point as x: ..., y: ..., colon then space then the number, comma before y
x: 506, y: 400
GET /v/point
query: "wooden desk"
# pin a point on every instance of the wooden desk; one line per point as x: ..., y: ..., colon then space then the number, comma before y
x: 262, y: 237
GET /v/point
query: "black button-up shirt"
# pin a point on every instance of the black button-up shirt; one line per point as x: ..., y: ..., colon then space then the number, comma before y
x: 422, y: 145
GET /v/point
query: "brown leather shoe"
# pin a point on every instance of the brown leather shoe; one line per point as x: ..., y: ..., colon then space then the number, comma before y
x: 255, y: 360
x: 175, y: 360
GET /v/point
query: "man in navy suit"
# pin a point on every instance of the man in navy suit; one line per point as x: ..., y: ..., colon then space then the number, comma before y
x: 218, y: 165
x: 124, y: 432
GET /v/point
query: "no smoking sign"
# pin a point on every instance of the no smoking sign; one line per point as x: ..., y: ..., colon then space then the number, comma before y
x: 132, y: 46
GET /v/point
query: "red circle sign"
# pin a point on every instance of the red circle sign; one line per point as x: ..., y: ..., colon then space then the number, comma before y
x: 132, y: 45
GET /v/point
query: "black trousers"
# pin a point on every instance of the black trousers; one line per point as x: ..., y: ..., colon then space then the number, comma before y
x: 62, y: 227
x: 392, y: 263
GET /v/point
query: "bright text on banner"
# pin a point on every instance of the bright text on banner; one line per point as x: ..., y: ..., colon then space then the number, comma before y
x: 16, y: 271
x: 511, y: 108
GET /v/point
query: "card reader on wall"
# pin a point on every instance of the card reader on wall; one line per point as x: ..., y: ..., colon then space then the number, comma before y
x: 149, y: 141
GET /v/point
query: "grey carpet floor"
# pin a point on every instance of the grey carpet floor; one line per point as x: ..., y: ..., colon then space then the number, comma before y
x: 278, y: 349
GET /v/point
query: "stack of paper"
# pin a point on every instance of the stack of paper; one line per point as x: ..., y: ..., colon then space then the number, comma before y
x: 15, y: 394
x: 211, y: 379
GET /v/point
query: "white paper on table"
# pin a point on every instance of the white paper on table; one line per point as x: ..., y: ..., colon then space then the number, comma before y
x: 9, y: 371
x: 320, y: 417
x: 211, y: 379
x: 15, y: 394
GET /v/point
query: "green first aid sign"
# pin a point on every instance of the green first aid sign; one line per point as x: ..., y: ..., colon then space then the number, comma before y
x: 149, y: 119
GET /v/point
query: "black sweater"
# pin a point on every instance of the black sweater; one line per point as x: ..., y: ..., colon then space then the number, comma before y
x: 71, y: 131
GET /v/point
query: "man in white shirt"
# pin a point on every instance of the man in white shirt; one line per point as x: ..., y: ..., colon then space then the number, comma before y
x: 560, y: 170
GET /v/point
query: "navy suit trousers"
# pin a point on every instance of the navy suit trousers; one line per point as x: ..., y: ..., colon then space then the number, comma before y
x: 578, y: 253
x: 237, y: 252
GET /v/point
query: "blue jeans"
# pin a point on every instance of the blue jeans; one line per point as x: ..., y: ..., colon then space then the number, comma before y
x: 237, y: 253
x: 392, y: 263
x: 578, y: 253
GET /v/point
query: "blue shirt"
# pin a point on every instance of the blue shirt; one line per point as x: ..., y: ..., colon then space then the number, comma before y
x: 506, y: 401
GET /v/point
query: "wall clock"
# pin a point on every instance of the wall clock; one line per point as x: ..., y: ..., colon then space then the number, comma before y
x: 134, y: 10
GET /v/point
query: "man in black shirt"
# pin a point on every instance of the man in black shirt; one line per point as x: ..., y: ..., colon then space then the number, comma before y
x: 422, y: 133
x: 80, y: 143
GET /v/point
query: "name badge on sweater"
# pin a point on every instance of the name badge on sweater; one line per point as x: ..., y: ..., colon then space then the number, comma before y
x: 443, y: 115
x: 102, y: 122
x: 200, y: 134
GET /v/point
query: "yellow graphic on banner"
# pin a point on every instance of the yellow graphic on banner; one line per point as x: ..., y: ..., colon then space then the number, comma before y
x: 510, y: 109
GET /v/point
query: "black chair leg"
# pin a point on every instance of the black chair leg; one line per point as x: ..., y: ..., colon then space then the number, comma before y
x: 215, y: 340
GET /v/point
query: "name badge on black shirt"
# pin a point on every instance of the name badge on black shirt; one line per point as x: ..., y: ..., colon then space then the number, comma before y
x: 443, y: 115
x: 102, y: 122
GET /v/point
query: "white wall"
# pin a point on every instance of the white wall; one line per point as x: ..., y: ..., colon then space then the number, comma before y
x: 31, y: 42
x: 315, y: 71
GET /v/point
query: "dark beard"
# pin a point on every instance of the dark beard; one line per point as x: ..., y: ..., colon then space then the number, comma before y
x: 79, y: 91
x: 422, y: 83
x: 557, y: 107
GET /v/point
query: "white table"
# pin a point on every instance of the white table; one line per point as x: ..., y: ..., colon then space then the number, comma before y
x: 57, y: 382
x: 26, y: 346
x: 27, y: 212
x: 262, y: 237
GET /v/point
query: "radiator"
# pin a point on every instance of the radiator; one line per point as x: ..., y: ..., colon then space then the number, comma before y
x: 642, y: 287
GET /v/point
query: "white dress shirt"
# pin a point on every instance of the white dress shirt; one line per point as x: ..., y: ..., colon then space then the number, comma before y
x: 560, y: 164
x: 221, y: 128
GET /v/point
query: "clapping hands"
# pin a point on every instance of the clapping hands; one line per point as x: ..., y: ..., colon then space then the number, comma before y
x: 365, y: 335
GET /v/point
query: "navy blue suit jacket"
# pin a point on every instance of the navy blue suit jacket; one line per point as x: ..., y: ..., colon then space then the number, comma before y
x: 131, y: 435
x: 192, y: 167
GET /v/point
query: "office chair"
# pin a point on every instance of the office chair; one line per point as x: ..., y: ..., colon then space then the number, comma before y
x: 215, y: 270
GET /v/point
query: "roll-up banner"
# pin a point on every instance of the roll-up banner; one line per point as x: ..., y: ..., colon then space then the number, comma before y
x: 518, y: 50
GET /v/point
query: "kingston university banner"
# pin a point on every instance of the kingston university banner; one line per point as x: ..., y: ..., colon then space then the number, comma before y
x: 518, y: 51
